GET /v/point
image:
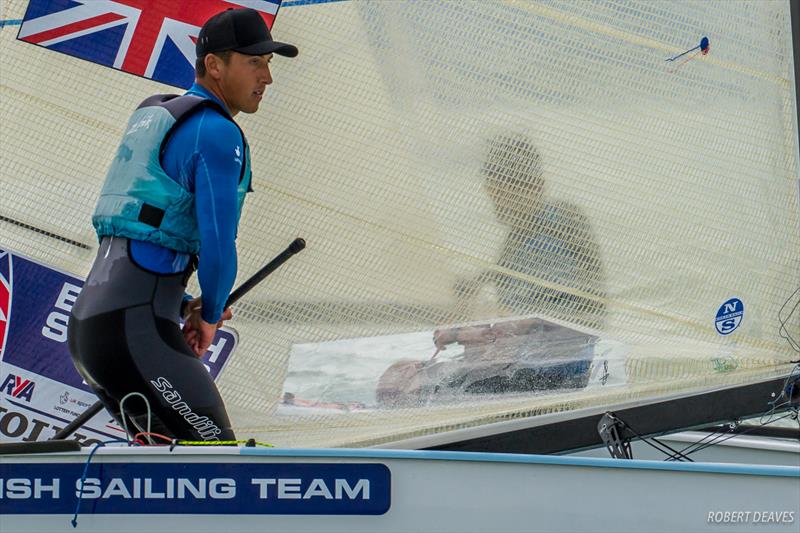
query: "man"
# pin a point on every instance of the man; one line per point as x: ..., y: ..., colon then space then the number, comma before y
x: 551, y: 241
x: 550, y: 266
x: 172, y: 197
x: 557, y: 272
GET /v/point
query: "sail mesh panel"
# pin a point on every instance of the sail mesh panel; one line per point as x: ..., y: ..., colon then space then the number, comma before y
x: 467, y: 163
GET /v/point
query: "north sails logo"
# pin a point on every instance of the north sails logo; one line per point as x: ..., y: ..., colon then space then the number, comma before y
x: 204, y: 426
x: 729, y: 316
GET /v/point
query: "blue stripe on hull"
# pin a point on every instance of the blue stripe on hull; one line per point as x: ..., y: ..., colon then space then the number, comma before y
x: 713, y: 468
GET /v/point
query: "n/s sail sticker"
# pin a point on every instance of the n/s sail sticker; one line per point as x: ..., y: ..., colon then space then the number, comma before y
x: 729, y: 316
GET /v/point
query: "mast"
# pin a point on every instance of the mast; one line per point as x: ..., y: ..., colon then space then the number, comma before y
x: 794, y: 6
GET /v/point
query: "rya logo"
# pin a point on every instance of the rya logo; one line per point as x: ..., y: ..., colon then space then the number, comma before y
x: 17, y: 387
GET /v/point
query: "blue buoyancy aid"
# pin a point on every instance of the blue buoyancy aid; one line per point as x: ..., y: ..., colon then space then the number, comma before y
x: 138, y: 199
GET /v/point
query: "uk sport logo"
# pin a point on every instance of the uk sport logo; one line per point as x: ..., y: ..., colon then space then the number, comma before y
x: 150, y: 38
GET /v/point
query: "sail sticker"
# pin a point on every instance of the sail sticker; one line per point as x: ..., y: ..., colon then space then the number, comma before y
x: 729, y: 316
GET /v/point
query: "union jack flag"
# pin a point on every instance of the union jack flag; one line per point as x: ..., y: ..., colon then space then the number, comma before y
x: 150, y: 38
x: 5, y: 296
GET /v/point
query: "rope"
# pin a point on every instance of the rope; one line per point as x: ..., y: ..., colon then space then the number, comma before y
x: 788, y: 394
x: 250, y: 443
x: 124, y: 422
x: 97, y: 446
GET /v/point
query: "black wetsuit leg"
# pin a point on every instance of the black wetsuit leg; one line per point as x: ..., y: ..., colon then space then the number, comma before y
x: 125, y: 337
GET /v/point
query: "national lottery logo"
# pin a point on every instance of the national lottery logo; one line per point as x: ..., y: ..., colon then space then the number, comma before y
x: 729, y: 316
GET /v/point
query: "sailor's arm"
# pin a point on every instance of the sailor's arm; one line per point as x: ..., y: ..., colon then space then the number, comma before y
x: 216, y: 179
x: 484, y: 333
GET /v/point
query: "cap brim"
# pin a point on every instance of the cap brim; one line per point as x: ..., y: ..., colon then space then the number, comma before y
x: 268, y: 47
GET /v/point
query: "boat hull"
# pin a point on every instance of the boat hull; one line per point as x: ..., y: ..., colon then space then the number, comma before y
x: 274, y: 490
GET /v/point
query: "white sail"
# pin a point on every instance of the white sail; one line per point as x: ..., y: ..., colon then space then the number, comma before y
x: 673, y: 186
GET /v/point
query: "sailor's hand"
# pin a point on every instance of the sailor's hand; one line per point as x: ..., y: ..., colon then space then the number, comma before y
x: 198, y: 333
x: 227, y: 314
x: 190, y: 307
x: 443, y: 337
x: 194, y: 305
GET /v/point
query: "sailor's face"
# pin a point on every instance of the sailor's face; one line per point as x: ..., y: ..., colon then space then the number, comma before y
x: 513, y: 195
x: 243, y: 80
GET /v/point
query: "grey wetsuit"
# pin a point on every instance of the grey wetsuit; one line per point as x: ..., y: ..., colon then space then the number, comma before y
x: 125, y: 337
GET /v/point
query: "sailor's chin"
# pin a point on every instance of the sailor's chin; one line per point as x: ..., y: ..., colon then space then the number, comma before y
x: 252, y: 108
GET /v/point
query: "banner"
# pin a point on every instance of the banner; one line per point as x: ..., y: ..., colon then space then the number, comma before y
x: 40, y: 390
x: 196, y: 488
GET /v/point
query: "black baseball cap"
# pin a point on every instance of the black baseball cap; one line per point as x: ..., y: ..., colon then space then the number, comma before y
x: 241, y: 30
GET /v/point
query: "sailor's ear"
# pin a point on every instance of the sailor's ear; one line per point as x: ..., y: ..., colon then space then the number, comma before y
x: 214, y: 65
